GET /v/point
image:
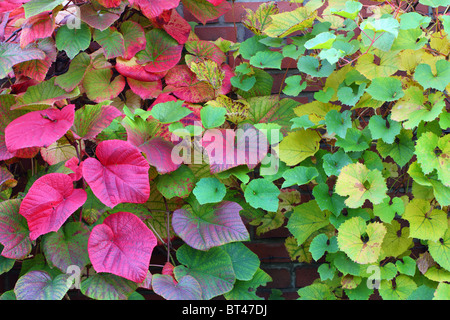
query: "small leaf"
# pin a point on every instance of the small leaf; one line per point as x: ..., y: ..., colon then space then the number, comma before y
x: 338, y: 122
x: 299, y: 145
x: 212, y: 117
x: 424, y: 75
x: 261, y: 193
x: 178, y: 183
x: 73, y: 40
x: 360, y: 241
x: 209, y: 190
x: 321, y: 244
x: 299, y: 176
x: 360, y: 184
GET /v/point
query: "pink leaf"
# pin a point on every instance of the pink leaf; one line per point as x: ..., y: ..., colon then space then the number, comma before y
x: 183, y: 83
x: 145, y: 90
x: 134, y: 38
x: 42, y: 128
x: 227, y: 149
x: 122, y: 245
x: 119, y: 175
x: 161, y: 53
x: 10, y: 5
x: 110, y: 3
x: 131, y: 69
x: 36, y: 27
x: 215, y: 2
x: 49, y: 202
x: 175, y: 25
x: 153, y: 8
x: 77, y: 168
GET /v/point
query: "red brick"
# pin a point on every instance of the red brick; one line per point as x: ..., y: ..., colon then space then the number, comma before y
x: 212, y: 33
x: 270, y: 252
x: 281, y: 278
x: 304, y: 276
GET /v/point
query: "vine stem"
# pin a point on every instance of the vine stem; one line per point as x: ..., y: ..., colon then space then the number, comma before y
x: 168, y: 229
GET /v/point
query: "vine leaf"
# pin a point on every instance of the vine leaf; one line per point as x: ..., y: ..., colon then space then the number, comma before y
x: 321, y: 244
x: 386, y: 89
x: 107, y: 286
x: 338, y: 122
x: 39, y: 285
x: 298, y: 145
x: 206, y: 11
x: 205, y: 226
x: 36, y: 27
x: 111, y: 41
x: 439, y: 250
x: 35, y: 7
x: 119, y: 175
x: 178, y: 183
x: 213, y: 269
x: 261, y: 193
x: 425, y: 222
x: 387, y: 209
x: 12, y: 54
x: 402, y: 150
x: 67, y: 246
x: 100, y: 86
x: 425, y: 77
x: 122, y: 245
x: 73, y: 40
x: 360, y: 184
x: 209, y: 190
x: 306, y: 219
x: 433, y: 152
x: 49, y: 202
x: 384, y: 129
x: 187, y: 288
x: 153, y: 8
x: 162, y: 52
x: 352, y: 239
x: 283, y: 24
x: 14, y: 233
x: 133, y: 37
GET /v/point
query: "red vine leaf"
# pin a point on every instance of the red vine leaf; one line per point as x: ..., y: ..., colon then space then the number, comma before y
x: 36, y: 27
x: 161, y: 53
x: 131, y: 69
x: 119, y: 175
x: 122, y: 245
x: 42, y: 127
x: 153, y: 8
x: 145, y: 90
x: 134, y: 38
x: 205, y: 10
x: 183, y: 83
x: 110, y: 3
x: 175, y: 25
x: 49, y: 202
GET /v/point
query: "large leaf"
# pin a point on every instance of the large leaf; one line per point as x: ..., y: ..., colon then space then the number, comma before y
x: 205, y: 226
x: 39, y: 285
x: 11, y: 54
x: 187, y: 288
x: 439, y: 250
x: 213, y: 269
x: 49, y: 202
x: 112, y: 42
x: 14, y: 233
x: 77, y: 69
x: 67, y: 247
x: 433, y: 153
x: 162, y: 52
x: 134, y: 38
x: 42, y: 127
x: 122, y: 245
x: 119, y: 175
x: 261, y: 193
x: 204, y: 10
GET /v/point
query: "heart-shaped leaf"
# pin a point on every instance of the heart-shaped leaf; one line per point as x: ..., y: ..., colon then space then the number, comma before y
x: 67, y: 247
x: 178, y: 183
x: 162, y: 52
x: 11, y: 54
x: 106, y: 286
x: 206, y: 11
x: 49, y: 202
x: 39, y: 285
x: 14, y: 233
x: 205, y: 226
x: 122, y: 245
x: 261, y: 193
x: 213, y: 269
x: 43, y: 128
x: 153, y: 8
x: 100, y: 86
x: 187, y: 287
x: 209, y: 190
x: 119, y: 175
